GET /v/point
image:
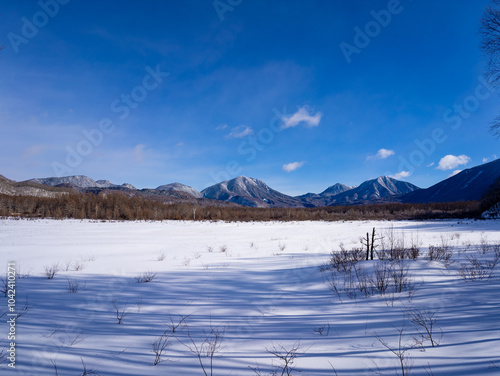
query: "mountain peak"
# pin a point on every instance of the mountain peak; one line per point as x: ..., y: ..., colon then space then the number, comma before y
x: 180, y: 188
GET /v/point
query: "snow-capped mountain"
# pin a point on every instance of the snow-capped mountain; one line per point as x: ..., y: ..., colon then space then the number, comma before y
x: 180, y: 188
x: 249, y: 192
x: 467, y: 185
x: 79, y: 181
x: 336, y: 189
x: 375, y: 189
x: 321, y: 199
x: 11, y: 187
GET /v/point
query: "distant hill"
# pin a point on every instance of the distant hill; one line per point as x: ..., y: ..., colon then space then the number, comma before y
x: 13, y: 188
x: 373, y: 190
x: 250, y: 192
x: 468, y: 185
x: 178, y: 187
x: 321, y: 199
x: 79, y: 181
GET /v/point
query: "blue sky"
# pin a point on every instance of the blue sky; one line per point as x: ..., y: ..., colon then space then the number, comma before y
x: 299, y: 94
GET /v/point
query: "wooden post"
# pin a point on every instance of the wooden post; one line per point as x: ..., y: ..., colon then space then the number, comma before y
x: 367, y: 245
x: 373, y: 243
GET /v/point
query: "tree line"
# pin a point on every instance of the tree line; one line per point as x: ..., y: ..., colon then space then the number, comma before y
x: 116, y: 206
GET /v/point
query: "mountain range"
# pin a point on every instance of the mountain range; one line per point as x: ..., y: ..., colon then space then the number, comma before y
x: 467, y: 185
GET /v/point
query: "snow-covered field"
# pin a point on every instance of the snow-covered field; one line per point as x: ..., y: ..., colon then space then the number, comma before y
x: 259, y: 282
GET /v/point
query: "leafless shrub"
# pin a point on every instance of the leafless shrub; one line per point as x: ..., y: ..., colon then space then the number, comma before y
x: 89, y: 258
x: 282, y: 247
x: 286, y: 358
x: 425, y: 320
x: 210, y: 249
x: 223, y: 249
x: 24, y: 309
x: 76, y: 339
x: 175, y: 324
x: 476, y: 270
x: 145, y: 277
x: 343, y: 260
x: 160, y: 345
x: 121, y: 312
x: 67, y: 265
x: 197, y: 255
x: 207, y: 348
x: 484, y: 245
x: 51, y: 270
x: 382, y: 277
x: 400, y: 350
x: 24, y: 273
x: 74, y: 286
x: 321, y: 330
x: 86, y: 372
x: 78, y: 266
x: 439, y: 253
x: 161, y: 256
x: 400, y: 274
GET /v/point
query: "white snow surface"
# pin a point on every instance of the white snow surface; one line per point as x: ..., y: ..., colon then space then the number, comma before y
x: 258, y: 280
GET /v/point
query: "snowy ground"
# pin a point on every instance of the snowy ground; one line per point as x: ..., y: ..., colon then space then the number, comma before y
x: 259, y: 281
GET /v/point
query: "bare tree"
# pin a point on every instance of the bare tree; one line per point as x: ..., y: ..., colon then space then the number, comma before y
x: 490, y: 46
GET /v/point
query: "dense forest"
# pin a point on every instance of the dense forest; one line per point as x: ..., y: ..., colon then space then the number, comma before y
x: 117, y: 206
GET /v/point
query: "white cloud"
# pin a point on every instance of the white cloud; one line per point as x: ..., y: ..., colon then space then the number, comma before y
x: 303, y: 116
x: 490, y: 158
x: 240, y: 131
x: 449, y: 162
x: 402, y: 175
x: 220, y: 127
x: 289, y: 167
x: 430, y: 164
x: 382, y: 154
x: 454, y: 173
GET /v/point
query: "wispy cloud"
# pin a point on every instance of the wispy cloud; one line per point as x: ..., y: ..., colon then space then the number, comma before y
x: 490, y: 158
x: 382, y: 154
x: 449, y: 162
x: 289, y: 167
x: 35, y: 150
x: 221, y: 127
x: 402, y: 175
x: 304, y: 116
x: 430, y: 164
x: 138, y: 153
x: 240, y: 131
